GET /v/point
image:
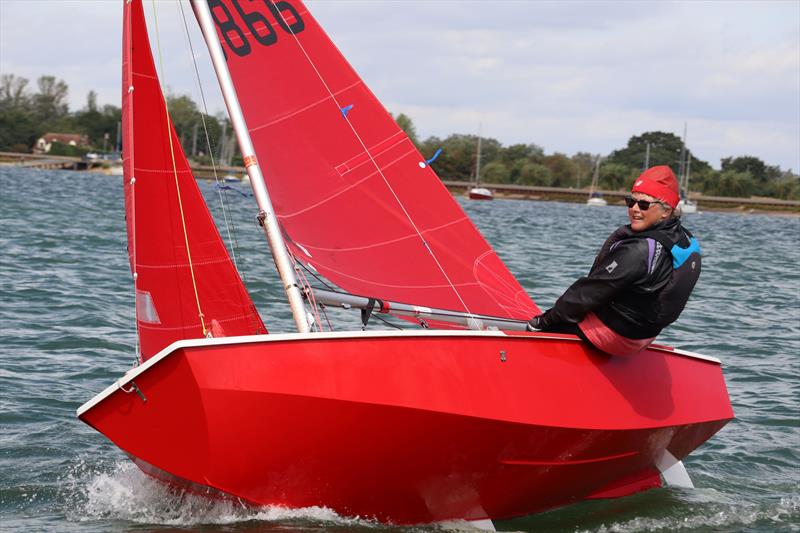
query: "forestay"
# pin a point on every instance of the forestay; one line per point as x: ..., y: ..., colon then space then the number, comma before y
x: 355, y: 198
x: 186, y: 284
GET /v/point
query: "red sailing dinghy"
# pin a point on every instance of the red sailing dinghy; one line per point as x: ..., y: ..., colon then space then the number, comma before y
x: 472, y: 418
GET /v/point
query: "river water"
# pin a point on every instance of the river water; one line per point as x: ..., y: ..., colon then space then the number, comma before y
x: 66, y: 332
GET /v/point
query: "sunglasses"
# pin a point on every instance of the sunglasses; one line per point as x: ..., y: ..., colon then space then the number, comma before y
x: 644, y: 205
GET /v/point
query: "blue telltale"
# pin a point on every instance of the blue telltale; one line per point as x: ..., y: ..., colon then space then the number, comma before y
x: 432, y: 159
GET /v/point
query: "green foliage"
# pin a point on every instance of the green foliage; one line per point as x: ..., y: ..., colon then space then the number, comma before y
x: 100, y: 126
x: 787, y: 188
x: 24, y: 117
x: 584, y: 166
x: 49, y: 104
x: 731, y: 183
x: 495, y: 172
x: 529, y: 152
x: 701, y: 180
x: 17, y: 129
x: 564, y: 171
x: 457, y: 160
x: 407, y: 125
x: 17, y: 122
x: 616, y: 176
x: 535, y: 174
x: 753, y: 165
x: 665, y: 149
x: 188, y: 123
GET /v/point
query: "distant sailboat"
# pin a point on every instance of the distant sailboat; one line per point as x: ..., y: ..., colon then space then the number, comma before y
x: 595, y: 196
x: 477, y: 192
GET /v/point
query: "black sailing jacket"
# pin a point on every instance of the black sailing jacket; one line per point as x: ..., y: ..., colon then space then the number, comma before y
x: 625, y: 284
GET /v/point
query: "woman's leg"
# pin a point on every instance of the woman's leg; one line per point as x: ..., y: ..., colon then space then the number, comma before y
x: 566, y: 327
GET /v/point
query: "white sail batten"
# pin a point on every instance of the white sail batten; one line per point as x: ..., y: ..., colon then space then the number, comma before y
x: 267, y: 216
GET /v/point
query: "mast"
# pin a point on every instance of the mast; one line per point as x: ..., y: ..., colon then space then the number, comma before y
x: 266, y: 213
x: 595, y: 176
x: 688, y: 170
x: 478, y: 161
x: 647, y: 157
x: 682, y: 163
x: 687, y: 164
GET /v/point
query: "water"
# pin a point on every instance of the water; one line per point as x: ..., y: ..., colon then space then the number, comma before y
x: 66, y: 332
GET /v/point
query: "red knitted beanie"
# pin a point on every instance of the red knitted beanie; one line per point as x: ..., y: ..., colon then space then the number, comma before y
x: 659, y: 182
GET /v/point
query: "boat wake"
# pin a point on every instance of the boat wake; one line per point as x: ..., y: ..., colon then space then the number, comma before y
x: 125, y: 493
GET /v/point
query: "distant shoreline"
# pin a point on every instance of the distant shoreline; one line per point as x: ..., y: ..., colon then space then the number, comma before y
x: 771, y: 206
x: 746, y: 206
x: 740, y: 209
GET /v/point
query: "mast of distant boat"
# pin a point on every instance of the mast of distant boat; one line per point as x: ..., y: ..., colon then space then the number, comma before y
x: 477, y: 192
x: 688, y: 170
x: 682, y: 165
x: 266, y: 215
x: 595, y: 198
x: 478, y: 160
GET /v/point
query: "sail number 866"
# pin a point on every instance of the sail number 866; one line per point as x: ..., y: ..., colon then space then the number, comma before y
x: 257, y: 23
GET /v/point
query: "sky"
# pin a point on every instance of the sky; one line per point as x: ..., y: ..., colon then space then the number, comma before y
x: 569, y: 76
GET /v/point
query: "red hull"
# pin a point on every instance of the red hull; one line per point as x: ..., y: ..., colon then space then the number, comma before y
x: 412, y: 428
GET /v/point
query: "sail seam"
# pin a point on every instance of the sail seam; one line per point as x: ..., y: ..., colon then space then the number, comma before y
x: 206, y: 262
x: 319, y: 265
x: 345, y: 189
x: 376, y: 146
x: 478, y: 261
x: 194, y: 325
x: 386, y: 242
x: 494, y: 293
x: 302, y: 109
x: 146, y: 76
x: 157, y: 171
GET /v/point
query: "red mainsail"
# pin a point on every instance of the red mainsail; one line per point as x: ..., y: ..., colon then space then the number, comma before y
x: 353, y: 195
x: 186, y: 284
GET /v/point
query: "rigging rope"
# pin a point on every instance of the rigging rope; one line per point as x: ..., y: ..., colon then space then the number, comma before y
x: 234, y: 243
x: 230, y: 226
x: 175, y: 174
x: 331, y: 288
x: 306, y: 286
x: 344, y: 110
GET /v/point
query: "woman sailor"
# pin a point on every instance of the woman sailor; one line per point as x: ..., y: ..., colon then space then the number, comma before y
x: 640, y: 280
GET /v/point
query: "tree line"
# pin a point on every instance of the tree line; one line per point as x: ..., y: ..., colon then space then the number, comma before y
x: 26, y: 115
x: 528, y: 164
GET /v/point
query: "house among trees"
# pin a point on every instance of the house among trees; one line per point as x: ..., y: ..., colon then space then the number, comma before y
x: 45, y: 142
